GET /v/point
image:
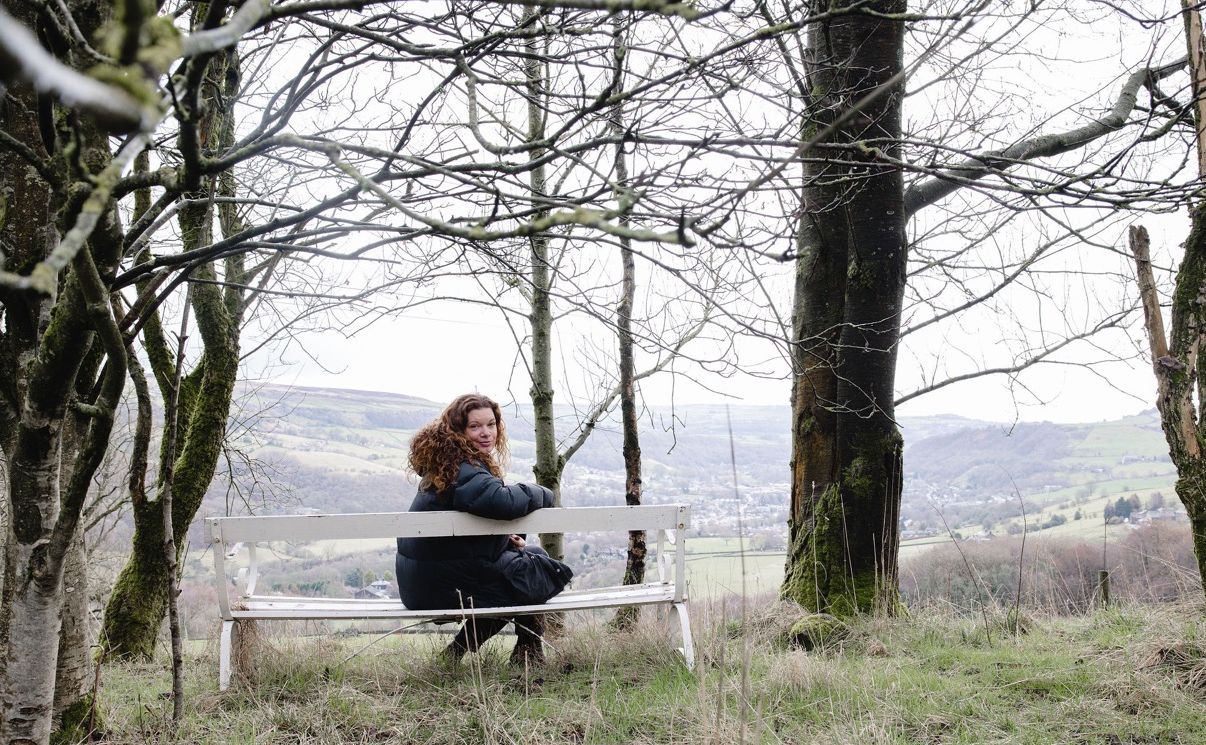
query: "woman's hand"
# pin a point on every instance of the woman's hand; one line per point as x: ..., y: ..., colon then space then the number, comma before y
x: 518, y: 541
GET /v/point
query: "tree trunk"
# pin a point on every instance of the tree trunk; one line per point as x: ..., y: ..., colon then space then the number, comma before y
x: 1191, y: 489
x: 1177, y: 361
x: 549, y: 463
x: 74, y: 674
x: 1180, y: 369
x: 850, y: 279
x: 139, y: 602
x: 44, y: 507
x: 634, y: 570
x: 29, y: 607
x: 44, y: 343
x: 73, y: 703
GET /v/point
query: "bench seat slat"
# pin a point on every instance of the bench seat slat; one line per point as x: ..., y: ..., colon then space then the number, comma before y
x: 647, y: 587
x: 339, y: 608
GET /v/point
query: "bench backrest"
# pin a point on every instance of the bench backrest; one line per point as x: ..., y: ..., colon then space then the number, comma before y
x: 231, y: 530
x: 226, y: 532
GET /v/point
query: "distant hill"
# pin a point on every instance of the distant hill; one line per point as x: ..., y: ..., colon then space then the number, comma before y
x: 343, y: 450
x: 985, y: 459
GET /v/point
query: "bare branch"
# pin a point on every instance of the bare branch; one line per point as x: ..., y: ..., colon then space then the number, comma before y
x: 977, y: 167
x: 22, y: 57
x: 1034, y: 358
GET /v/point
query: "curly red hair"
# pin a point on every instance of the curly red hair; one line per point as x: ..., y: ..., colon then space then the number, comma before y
x: 439, y: 448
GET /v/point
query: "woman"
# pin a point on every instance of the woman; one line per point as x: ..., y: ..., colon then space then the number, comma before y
x: 458, y: 458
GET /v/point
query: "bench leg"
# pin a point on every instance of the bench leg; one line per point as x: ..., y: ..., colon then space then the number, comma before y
x: 224, y: 656
x: 679, y: 611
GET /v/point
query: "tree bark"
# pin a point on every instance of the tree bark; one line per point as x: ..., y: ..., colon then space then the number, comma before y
x: 850, y: 279
x: 549, y: 463
x: 1180, y: 369
x: 139, y: 602
x: 44, y: 364
x: 74, y: 672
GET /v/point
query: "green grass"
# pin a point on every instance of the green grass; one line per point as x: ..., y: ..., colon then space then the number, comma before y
x: 1116, y: 439
x: 719, y: 575
x: 1099, y: 678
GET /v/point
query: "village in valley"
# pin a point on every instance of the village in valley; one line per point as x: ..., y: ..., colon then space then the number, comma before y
x: 342, y: 451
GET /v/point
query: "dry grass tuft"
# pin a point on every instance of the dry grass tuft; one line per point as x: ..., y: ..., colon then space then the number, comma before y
x: 767, y: 624
x: 247, y: 646
x: 795, y: 672
x: 1185, y: 660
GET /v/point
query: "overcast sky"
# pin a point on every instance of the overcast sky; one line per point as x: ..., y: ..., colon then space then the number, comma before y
x: 439, y: 351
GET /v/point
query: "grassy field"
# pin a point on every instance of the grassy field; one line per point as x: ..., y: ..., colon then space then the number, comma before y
x: 1118, y: 675
x: 719, y: 567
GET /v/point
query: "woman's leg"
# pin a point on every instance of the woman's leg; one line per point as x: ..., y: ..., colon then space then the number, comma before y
x: 529, y: 646
x: 473, y: 635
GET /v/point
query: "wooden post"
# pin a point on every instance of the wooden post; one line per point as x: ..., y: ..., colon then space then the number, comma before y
x: 1103, y: 587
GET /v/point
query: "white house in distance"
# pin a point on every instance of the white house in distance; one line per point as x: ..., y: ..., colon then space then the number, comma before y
x: 380, y: 589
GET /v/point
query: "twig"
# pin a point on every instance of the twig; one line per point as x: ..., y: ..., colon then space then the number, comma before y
x: 970, y: 573
x: 1017, y: 600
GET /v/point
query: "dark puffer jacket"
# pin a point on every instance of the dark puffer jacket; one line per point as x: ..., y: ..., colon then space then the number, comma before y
x: 454, y: 571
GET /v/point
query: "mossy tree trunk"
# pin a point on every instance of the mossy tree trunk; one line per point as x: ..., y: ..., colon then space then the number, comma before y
x: 56, y: 403
x: 139, y: 602
x: 1177, y: 359
x: 1180, y: 369
x: 850, y: 280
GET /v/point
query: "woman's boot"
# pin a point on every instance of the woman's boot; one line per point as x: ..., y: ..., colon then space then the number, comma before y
x: 529, y: 646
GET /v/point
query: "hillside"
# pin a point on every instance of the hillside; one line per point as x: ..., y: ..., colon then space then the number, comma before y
x: 977, y: 476
x: 344, y: 451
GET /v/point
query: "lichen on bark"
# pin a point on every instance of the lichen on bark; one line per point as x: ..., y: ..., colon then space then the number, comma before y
x: 850, y: 278
x: 139, y: 601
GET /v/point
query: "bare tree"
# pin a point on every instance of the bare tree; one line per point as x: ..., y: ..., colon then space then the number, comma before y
x: 66, y: 252
x: 852, y: 276
x: 1175, y: 355
x: 634, y: 570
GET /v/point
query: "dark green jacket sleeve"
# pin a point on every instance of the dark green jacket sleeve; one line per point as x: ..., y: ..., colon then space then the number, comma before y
x: 481, y: 493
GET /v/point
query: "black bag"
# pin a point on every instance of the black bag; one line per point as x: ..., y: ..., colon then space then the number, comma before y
x: 534, y: 577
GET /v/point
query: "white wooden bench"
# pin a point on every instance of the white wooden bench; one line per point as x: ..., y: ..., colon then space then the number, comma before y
x: 669, y: 522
